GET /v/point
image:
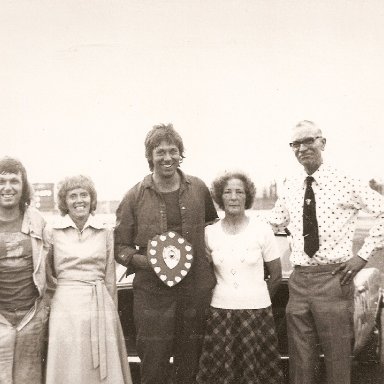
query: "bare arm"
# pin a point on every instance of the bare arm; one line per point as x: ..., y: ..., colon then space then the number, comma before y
x: 274, y: 271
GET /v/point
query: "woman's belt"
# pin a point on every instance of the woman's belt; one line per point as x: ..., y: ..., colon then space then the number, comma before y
x: 98, y: 329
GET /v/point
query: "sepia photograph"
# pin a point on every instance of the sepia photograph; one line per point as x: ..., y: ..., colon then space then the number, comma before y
x: 191, y: 192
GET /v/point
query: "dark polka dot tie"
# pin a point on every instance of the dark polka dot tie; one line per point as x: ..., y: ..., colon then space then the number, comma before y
x: 310, y: 227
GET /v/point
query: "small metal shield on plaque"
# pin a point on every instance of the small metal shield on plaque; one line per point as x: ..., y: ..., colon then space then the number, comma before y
x: 170, y: 256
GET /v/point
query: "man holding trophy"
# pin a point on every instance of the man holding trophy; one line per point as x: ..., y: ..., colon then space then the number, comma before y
x: 159, y: 236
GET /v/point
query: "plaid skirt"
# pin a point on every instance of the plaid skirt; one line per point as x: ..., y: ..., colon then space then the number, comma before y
x: 240, y: 347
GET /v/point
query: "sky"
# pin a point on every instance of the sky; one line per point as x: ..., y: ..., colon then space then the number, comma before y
x: 83, y: 81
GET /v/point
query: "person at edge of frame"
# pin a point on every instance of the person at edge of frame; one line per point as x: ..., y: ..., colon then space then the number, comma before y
x: 321, y: 205
x: 170, y: 321
x: 23, y: 304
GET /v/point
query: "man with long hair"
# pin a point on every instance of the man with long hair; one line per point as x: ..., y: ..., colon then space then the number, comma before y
x: 170, y: 319
x: 23, y: 314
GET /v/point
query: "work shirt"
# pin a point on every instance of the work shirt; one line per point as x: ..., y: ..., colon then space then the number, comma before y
x: 142, y: 214
x: 339, y: 199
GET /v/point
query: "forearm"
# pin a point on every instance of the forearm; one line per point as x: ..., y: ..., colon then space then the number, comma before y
x: 373, y: 203
x: 374, y: 241
x: 140, y: 261
x: 131, y: 259
x: 275, y: 276
x: 124, y: 254
x: 273, y: 284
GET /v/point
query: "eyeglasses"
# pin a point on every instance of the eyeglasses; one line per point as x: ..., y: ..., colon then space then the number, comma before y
x: 308, y: 141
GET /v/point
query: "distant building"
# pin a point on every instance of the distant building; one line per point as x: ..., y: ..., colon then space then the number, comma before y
x: 43, y: 198
x: 268, y: 199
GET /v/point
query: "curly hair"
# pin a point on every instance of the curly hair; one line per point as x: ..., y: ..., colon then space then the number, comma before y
x: 12, y: 165
x: 220, y: 182
x: 158, y: 134
x: 73, y: 182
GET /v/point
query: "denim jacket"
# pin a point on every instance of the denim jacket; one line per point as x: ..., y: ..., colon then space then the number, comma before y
x: 142, y: 214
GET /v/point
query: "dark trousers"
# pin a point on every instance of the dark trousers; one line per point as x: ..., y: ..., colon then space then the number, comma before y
x: 168, y: 326
x: 319, y: 314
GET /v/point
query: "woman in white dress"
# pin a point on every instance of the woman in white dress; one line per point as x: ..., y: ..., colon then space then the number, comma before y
x: 240, y: 345
x: 86, y: 343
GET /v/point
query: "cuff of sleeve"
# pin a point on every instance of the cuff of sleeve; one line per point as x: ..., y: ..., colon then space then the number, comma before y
x: 364, y: 253
x: 125, y: 258
x: 275, y: 228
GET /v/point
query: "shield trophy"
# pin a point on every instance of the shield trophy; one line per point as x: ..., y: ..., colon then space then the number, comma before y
x: 170, y: 256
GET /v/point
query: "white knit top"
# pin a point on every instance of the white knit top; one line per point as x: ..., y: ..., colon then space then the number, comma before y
x: 238, y: 263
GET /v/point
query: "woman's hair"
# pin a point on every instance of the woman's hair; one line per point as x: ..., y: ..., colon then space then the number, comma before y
x: 73, y: 182
x: 158, y: 134
x: 220, y: 182
x: 11, y: 165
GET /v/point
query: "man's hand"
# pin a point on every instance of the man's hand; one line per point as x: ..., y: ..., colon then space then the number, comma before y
x: 140, y: 261
x: 349, y: 269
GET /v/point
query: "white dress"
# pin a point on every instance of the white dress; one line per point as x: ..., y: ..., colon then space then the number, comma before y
x: 86, y: 342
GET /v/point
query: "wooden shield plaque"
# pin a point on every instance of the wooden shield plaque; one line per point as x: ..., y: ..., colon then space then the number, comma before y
x: 171, y: 257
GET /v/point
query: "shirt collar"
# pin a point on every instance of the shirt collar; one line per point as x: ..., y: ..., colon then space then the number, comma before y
x: 319, y: 175
x: 148, y: 180
x: 66, y: 222
x: 32, y: 223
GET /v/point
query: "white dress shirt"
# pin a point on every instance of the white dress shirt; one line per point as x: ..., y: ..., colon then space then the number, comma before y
x: 339, y: 198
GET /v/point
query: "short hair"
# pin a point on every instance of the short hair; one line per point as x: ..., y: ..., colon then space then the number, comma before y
x: 220, y: 182
x: 158, y: 134
x: 310, y: 123
x: 305, y: 122
x: 12, y: 165
x: 73, y: 182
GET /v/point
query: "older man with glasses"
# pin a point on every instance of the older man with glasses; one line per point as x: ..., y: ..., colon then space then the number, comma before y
x: 320, y: 205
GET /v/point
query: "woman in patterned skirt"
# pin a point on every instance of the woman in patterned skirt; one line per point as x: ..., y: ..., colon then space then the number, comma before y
x: 240, y: 345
